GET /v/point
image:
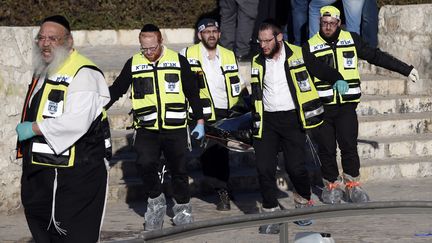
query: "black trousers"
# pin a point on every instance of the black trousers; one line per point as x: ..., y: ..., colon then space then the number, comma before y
x: 281, y: 130
x: 215, y: 160
x: 79, y: 201
x: 341, y: 126
x: 149, y: 145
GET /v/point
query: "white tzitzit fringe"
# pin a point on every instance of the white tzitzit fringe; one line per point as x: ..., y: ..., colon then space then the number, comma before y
x: 107, y: 166
x: 313, y: 150
x: 56, y: 223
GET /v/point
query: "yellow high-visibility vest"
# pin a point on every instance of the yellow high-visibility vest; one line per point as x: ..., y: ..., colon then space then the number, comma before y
x: 158, y: 101
x: 309, y: 107
x: 229, y: 69
x: 344, y: 59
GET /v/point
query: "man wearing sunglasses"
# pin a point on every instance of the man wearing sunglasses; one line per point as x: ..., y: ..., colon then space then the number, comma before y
x: 341, y: 50
x: 162, y: 84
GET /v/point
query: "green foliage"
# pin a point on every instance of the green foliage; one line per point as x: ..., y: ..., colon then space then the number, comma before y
x: 106, y: 14
x: 118, y: 14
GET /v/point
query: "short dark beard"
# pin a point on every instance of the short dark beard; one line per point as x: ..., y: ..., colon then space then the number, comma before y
x: 207, y: 46
x: 332, y: 38
x: 275, y: 50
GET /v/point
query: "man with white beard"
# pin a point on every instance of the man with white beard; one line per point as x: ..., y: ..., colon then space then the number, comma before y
x: 63, y: 140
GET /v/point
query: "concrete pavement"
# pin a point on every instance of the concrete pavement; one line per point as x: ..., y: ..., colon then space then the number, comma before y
x: 124, y: 221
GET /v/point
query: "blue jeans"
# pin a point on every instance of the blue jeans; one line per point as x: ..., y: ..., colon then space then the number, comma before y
x: 352, y: 9
x: 299, y: 10
x: 369, y: 28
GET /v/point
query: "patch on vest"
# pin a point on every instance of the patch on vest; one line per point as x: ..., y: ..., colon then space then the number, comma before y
x: 345, y: 42
x: 230, y: 67
x: 193, y: 61
x: 296, y: 62
x: 52, y: 109
x: 318, y: 47
x: 255, y: 71
x: 141, y: 67
x: 61, y: 78
x: 170, y: 64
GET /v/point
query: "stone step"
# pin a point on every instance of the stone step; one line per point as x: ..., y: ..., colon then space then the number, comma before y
x: 111, y: 59
x: 123, y: 164
x: 131, y: 188
x: 119, y: 118
x: 121, y: 141
x: 396, y: 147
x: 391, y: 104
x: 369, y: 127
x: 395, y: 124
x: 369, y: 105
x: 245, y: 179
x: 371, y: 84
x: 396, y: 168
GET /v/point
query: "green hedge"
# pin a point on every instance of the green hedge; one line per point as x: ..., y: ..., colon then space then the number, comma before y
x: 118, y: 14
x: 106, y: 14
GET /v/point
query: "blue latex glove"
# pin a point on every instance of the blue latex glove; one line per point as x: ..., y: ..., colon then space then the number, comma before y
x: 24, y: 131
x: 341, y: 86
x: 198, y: 131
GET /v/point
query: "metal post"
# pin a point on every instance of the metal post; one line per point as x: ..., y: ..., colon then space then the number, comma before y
x: 283, y: 234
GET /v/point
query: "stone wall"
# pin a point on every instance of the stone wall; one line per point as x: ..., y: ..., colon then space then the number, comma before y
x: 15, y: 73
x: 406, y: 32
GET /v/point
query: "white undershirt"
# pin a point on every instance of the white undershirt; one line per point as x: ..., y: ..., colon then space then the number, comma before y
x: 276, y: 94
x: 214, y: 76
x: 87, y: 94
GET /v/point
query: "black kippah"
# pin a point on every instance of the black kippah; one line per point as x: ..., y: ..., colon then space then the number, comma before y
x: 150, y: 28
x: 59, y: 19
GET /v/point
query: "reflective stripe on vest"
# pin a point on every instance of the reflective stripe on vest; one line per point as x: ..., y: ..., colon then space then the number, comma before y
x: 309, y: 106
x: 345, y: 60
x: 158, y: 101
x: 229, y: 70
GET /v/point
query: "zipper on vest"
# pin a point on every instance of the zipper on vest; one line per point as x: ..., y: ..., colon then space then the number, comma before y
x: 226, y: 89
x: 334, y: 47
x: 156, y: 78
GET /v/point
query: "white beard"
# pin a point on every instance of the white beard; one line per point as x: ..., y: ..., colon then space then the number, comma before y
x: 42, y: 68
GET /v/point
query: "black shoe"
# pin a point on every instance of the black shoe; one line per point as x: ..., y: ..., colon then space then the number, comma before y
x: 224, y: 203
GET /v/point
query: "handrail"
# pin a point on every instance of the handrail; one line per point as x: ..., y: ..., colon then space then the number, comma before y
x: 318, y: 212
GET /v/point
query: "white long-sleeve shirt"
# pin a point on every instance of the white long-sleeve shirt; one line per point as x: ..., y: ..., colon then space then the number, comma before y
x: 87, y: 95
x: 276, y: 93
x: 214, y: 76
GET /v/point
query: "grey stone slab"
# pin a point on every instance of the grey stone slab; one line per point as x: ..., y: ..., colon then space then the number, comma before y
x: 393, y: 104
x: 395, y: 124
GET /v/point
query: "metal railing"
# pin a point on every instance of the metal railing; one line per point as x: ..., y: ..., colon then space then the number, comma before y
x: 285, y: 216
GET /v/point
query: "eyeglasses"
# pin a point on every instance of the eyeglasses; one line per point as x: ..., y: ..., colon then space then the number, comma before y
x: 265, y: 41
x: 207, y: 32
x: 331, y: 24
x: 149, y: 49
x: 50, y: 39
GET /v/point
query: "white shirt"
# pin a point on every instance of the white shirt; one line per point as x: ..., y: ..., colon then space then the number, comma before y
x: 214, y: 76
x: 87, y: 95
x: 276, y: 94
